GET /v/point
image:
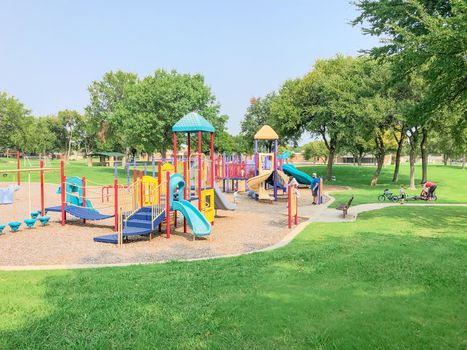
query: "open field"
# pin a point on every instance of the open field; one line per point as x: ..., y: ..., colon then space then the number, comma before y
x: 97, y: 174
x: 395, y: 279
x: 451, y: 182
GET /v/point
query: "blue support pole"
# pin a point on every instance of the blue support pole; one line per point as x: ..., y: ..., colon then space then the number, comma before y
x: 134, y: 162
x: 153, y: 166
x: 128, y: 174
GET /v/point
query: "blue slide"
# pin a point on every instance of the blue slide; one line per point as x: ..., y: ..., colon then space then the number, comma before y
x: 195, y: 219
x: 302, y: 178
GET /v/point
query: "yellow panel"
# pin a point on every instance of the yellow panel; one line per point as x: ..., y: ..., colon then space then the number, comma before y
x: 293, y: 201
x: 150, y: 190
x: 207, y: 204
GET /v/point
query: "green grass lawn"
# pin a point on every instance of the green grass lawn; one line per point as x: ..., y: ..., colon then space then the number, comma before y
x: 395, y: 279
x: 451, y: 180
x: 95, y: 174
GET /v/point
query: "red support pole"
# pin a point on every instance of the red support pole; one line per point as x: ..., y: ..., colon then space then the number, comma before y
x: 212, y: 160
x: 289, y: 206
x: 42, y: 187
x: 189, y: 146
x: 63, y: 190
x: 116, y: 205
x: 18, y: 166
x: 159, y: 172
x: 167, y: 204
x: 175, y: 151
x: 83, y: 182
x: 199, y: 168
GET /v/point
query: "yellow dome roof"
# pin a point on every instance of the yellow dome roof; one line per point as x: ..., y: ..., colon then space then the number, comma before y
x: 266, y: 133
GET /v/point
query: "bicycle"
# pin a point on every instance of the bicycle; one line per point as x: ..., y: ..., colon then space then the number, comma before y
x: 387, y: 195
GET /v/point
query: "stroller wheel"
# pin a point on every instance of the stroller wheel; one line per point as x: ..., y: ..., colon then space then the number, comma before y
x: 434, y: 197
x: 381, y: 197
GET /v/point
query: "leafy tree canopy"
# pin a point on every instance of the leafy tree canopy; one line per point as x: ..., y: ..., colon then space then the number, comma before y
x: 423, y: 37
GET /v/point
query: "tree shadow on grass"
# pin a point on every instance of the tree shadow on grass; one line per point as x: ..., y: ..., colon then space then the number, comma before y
x: 357, y: 291
x: 435, y: 218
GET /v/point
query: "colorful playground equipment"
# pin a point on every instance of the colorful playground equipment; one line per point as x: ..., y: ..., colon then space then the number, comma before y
x: 267, y: 172
x: 234, y: 170
x: 6, y: 195
x: 150, y: 203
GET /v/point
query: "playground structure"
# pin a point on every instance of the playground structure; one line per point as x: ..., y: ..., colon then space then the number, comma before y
x: 234, y: 170
x: 150, y: 203
x: 240, y: 173
x: 184, y: 184
x: 267, y: 172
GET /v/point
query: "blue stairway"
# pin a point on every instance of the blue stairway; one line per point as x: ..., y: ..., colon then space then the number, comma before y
x: 139, y: 224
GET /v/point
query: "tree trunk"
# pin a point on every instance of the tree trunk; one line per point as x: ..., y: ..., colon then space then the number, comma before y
x: 412, y: 158
x: 379, y: 167
x: 360, y: 157
x: 331, y: 154
x: 445, y: 159
x: 397, y: 162
x: 380, y: 154
x: 331, y: 146
x: 424, y: 154
x: 330, y: 163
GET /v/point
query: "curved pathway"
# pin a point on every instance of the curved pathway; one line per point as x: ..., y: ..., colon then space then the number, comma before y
x: 319, y: 214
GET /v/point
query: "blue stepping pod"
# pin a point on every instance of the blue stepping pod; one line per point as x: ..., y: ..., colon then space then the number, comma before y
x: 35, y: 214
x: 30, y: 222
x: 1, y: 228
x: 14, y: 225
x: 44, y: 220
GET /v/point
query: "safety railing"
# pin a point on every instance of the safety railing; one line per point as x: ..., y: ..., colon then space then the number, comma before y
x: 129, y: 199
x: 159, y: 204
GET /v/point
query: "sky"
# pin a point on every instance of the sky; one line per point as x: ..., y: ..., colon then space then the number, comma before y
x: 50, y: 51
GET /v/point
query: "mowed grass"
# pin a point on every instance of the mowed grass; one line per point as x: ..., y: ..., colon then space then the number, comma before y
x: 94, y: 175
x: 451, y: 181
x: 395, y: 279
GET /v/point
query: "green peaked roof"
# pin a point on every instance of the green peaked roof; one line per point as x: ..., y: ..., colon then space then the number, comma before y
x: 193, y: 122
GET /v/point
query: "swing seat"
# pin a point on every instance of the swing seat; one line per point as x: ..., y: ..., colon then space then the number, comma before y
x: 30, y: 222
x: 14, y: 225
x: 1, y: 228
x: 44, y: 220
x: 35, y: 214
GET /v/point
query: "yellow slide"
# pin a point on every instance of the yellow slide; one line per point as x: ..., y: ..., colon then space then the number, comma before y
x: 257, y: 184
x: 283, y: 176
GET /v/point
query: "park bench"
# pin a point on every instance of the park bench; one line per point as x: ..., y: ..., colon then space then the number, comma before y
x: 344, y: 207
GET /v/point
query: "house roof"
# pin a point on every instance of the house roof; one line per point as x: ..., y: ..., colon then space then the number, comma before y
x: 106, y: 154
x: 266, y: 133
x: 193, y: 122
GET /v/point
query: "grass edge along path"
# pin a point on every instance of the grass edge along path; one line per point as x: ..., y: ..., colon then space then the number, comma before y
x: 395, y: 278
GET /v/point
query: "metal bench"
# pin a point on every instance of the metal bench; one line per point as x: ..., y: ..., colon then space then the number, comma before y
x: 344, y: 207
